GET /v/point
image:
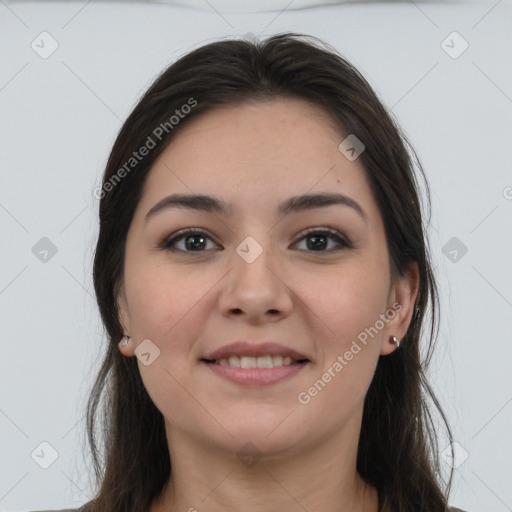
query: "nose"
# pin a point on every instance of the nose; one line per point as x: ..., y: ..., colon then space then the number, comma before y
x: 254, y: 291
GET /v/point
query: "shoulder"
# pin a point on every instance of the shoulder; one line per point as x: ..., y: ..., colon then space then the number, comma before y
x: 454, y: 509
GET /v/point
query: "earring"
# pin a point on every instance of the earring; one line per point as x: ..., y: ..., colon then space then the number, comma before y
x: 394, y: 339
x: 125, y: 341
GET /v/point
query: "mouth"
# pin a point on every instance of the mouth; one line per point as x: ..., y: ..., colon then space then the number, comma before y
x: 255, y: 371
x: 248, y: 362
x: 251, y: 364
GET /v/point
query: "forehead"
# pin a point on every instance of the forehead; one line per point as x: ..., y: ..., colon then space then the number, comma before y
x: 255, y: 155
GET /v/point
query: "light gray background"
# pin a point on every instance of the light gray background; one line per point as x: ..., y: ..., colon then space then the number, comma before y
x: 59, y: 117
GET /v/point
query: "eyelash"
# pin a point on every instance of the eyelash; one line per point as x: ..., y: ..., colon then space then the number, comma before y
x: 167, y: 243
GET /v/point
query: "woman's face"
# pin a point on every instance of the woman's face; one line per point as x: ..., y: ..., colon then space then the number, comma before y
x: 253, y: 274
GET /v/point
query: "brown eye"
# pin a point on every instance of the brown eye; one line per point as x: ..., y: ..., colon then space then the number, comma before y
x: 318, y: 239
x: 194, y: 241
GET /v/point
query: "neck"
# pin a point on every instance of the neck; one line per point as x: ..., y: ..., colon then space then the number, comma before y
x: 203, y: 479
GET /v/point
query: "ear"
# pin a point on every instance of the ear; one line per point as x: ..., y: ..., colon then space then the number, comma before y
x: 401, y: 300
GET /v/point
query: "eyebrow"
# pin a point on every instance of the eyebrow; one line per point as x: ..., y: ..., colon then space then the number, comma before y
x: 291, y: 205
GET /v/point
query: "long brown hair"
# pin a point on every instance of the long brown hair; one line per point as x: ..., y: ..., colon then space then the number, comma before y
x: 398, y: 452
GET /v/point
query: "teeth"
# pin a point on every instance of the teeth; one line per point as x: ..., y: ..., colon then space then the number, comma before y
x: 233, y: 361
x: 248, y: 362
x: 255, y: 362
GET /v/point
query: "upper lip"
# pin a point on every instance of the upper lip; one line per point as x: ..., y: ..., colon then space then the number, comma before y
x: 244, y: 348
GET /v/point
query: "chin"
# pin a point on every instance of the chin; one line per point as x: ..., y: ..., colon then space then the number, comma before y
x: 270, y: 433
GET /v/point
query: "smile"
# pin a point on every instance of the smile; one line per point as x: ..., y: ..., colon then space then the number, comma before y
x: 246, y: 372
x: 267, y: 361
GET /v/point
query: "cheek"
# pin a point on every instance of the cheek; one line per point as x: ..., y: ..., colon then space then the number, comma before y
x: 346, y: 301
x: 165, y: 304
x: 169, y: 305
x: 160, y: 296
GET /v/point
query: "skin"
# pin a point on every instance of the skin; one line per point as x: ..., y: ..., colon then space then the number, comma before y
x: 314, y: 300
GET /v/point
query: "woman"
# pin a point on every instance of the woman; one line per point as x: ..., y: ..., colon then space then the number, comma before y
x: 263, y: 275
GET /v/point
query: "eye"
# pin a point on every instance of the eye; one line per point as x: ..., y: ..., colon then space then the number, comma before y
x: 194, y: 239
x: 320, y: 238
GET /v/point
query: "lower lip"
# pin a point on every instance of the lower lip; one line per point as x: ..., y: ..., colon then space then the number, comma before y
x: 256, y: 376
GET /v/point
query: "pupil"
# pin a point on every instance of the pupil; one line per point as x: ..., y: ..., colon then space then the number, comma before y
x: 317, y: 244
x: 195, y: 246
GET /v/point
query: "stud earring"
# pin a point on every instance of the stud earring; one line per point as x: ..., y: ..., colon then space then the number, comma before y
x: 125, y: 341
x: 394, y: 339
